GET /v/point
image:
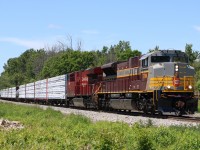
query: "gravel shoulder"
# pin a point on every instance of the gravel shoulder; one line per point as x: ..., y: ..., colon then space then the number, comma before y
x: 113, y: 117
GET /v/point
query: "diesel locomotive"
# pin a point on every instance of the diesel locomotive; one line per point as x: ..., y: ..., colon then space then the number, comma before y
x: 160, y: 81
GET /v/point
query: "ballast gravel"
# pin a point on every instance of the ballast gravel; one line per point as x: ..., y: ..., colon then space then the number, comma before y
x: 114, y: 117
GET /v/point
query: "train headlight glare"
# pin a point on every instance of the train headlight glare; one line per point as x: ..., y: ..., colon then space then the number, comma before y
x: 168, y: 86
x: 190, y: 87
x: 176, y: 67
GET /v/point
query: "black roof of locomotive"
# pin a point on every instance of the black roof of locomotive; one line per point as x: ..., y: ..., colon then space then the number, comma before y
x: 163, y: 52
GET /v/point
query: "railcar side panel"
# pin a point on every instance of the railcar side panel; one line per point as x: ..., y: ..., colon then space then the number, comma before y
x: 22, y: 91
x: 41, y: 90
x: 30, y: 91
x: 4, y: 93
x: 56, y: 87
x: 13, y: 93
x: 9, y: 92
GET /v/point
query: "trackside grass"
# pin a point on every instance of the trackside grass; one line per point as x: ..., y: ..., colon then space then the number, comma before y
x: 51, y: 130
x: 199, y: 106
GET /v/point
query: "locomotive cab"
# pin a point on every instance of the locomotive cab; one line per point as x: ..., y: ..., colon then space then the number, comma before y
x: 171, y: 79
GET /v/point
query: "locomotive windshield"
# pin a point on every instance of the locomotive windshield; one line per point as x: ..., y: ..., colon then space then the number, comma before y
x: 160, y: 59
x: 180, y: 59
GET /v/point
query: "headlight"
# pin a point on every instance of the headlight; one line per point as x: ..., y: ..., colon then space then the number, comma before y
x: 176, y: 67
x: 190, y: 87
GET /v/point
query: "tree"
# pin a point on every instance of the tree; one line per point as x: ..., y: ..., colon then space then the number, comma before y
x: 192, y: 55
x: 155, y: 49
x: 198, y: 85
x: 119, y: 52
x: 4, y: 81
x: 105, y: 50
x: 129, y: 53
x: 60, y: 59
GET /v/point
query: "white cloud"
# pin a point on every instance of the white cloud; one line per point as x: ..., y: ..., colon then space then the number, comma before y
x: 54, y: 26
x: 90, y: 32
x: 197, y: 28
x: 22, y: 42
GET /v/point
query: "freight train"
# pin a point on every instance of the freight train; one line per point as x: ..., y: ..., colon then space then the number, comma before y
x: 160, y: 81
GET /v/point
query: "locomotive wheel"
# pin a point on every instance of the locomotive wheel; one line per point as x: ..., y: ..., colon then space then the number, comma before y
x: 149, y: 108
x: 152, y: 110
x: 160, y: 113
x: 178, y: 113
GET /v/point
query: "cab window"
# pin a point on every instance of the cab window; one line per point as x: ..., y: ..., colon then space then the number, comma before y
x: 156, y: 59
x: 180, y: 59
x: 145, y: 62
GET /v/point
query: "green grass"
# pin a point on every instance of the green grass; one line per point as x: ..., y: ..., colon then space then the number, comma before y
x: 49, y: 129
x: 199, y: 106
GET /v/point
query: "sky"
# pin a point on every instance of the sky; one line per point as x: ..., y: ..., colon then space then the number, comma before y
x: 26, y: 24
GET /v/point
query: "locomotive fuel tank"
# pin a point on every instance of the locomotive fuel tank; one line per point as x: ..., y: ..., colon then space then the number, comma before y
x: 123, y: 104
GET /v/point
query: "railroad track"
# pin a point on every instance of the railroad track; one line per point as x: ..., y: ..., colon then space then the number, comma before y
x: 189, y: 119
x: 185, y: 118
x: 171, y: 117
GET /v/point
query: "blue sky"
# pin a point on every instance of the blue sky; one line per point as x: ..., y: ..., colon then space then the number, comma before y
x: 37, y: 24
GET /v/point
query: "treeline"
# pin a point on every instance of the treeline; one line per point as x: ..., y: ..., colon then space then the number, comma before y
x: 34, y: 64
x: 194, y: 60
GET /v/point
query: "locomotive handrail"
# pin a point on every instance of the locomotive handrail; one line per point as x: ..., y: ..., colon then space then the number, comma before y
x: 97, y: 89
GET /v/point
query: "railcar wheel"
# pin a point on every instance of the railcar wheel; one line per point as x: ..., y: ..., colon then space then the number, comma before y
x: 66, y: 104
